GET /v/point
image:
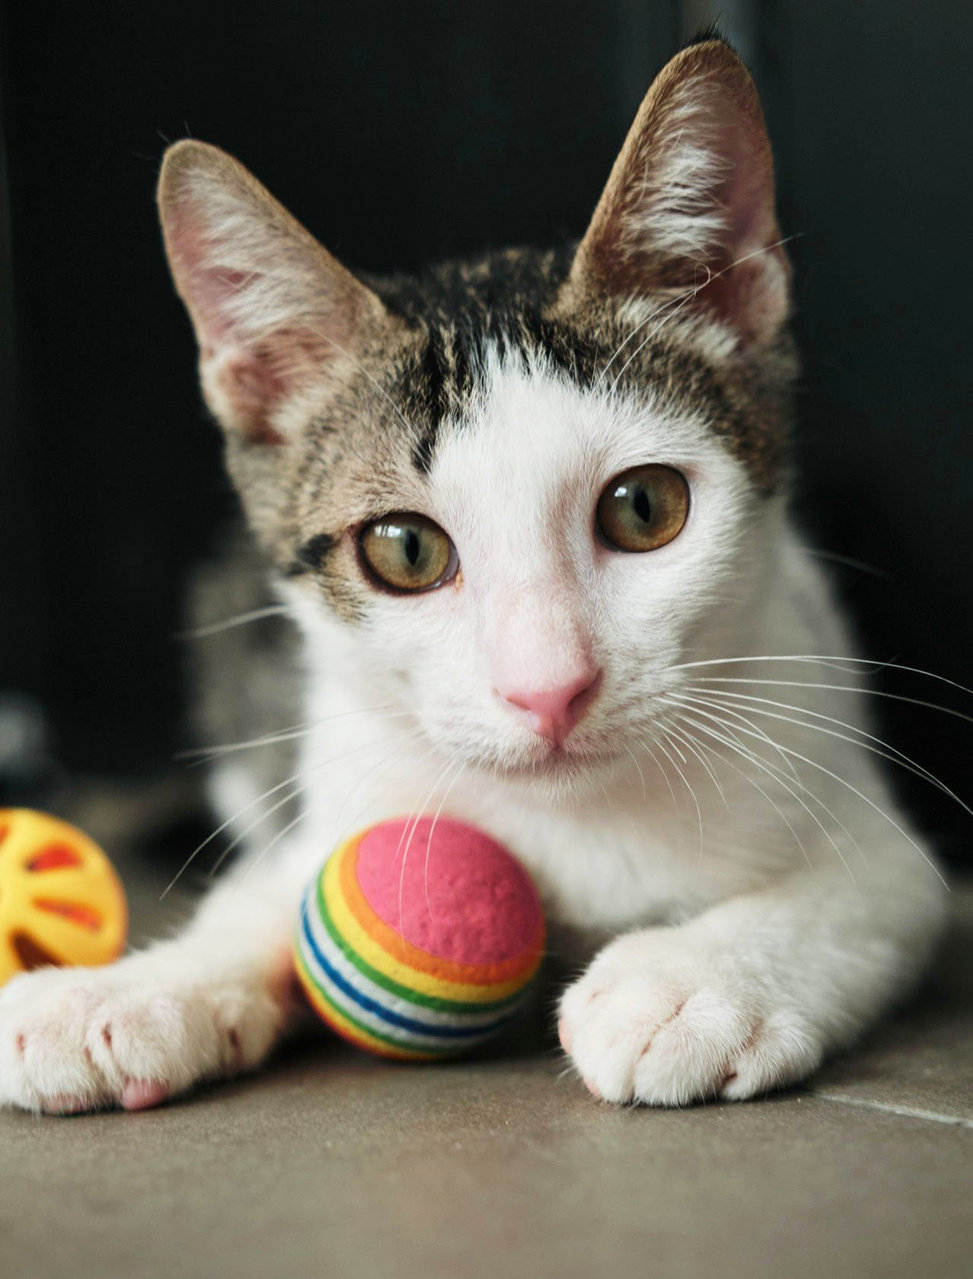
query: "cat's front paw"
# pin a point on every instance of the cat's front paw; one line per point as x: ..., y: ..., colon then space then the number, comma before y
x: 657, y: 1019
x: 132, y: 1034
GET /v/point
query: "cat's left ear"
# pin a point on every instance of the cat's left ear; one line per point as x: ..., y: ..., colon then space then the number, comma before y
x: 277, y: 318
x: 688, y: 210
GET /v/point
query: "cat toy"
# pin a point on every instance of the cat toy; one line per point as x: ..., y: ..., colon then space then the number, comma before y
x: 419, y: 939
x: 60, y: 899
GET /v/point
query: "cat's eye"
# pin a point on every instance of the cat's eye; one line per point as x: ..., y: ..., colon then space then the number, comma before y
x: 407, y: 552
x: 643, y: 509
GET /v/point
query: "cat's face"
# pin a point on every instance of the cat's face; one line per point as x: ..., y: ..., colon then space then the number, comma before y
x: 523, y: 581
x: 516, y: 493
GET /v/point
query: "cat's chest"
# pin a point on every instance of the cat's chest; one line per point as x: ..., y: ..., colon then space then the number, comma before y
x: 603, y: 868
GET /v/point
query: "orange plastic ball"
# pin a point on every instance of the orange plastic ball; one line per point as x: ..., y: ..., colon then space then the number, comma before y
x: 60, y: 899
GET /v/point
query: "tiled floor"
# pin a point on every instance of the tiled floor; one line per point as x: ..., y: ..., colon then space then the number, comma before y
x: 333, y: 1164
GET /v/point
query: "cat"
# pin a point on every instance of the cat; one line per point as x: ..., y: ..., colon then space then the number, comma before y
x: 530, y: 516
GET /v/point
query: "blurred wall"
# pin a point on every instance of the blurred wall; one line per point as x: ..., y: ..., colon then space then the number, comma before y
x: 870, y: 106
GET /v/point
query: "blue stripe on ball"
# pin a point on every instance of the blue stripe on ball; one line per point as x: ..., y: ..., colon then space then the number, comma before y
x: 459, y: 1033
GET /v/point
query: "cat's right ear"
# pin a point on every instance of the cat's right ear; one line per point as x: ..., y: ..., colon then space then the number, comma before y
x: 277, y: 318
x: 688, y: 212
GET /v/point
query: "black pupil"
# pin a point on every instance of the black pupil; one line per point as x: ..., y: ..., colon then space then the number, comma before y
x: 411, y: 547
x: 640, y: 504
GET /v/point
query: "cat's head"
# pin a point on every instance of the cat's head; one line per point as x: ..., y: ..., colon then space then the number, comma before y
x: 521, y: 488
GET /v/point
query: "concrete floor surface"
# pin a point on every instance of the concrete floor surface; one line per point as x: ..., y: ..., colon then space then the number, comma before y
x: 330, y: 1163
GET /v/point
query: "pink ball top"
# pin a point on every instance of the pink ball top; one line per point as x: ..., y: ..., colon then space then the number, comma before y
x: 449, y: 889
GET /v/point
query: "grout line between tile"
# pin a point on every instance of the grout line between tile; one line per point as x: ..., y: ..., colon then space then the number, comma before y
x: 909, y: 1112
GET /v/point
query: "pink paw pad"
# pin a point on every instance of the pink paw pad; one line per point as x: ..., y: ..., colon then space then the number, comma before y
x: 143, y: 1094
x: 564, y: 1035
x: 64, y: 1104
x: 593, y: 1089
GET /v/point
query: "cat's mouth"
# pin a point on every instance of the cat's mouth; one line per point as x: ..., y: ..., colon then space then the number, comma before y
x: 549, y: 762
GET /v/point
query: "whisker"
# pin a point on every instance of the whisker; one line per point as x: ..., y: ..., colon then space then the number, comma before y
x: 252, y: 865
x: 699, y: 706
x: 638, y: 766
x: 687, y: 739
x: 665, y: 776
x: 737, y: 715
x: 870, y: 802
x: 293, y: 732
x: 890, y: 753
x: 840, y: 661
x: 389, y: 761
x: 288, y: 781
x: 682, y: 301
x: 241, y: 619
x: 202, y: 755
x: 848, y: 561
x: 752, y: 781
x: 409, y: 830
x: 665, y: 306
x: 677, y: 736
x: 410, y: 429
x: 774, y: 773
x: 845, y: 688
x: 432, y: 830
x: 238, y: 840
x: 699, y: 812
x: 286, y: 829
x: 258, y: 799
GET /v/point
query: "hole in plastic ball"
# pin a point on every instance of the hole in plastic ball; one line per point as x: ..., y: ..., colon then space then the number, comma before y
x: 54, y: 857
x: 32, y: 954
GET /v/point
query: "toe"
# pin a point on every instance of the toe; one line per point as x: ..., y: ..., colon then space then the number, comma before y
x: 143, y: 1094
x: 64, y: 1104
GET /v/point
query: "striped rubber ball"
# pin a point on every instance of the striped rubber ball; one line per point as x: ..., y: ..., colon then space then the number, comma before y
x: 419, y: 938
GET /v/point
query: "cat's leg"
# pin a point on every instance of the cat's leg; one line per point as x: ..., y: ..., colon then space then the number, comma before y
x: 751, y: 994
x: 209, y: 1003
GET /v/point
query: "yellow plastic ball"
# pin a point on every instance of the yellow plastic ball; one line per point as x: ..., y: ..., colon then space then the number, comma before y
x: 60, y: 899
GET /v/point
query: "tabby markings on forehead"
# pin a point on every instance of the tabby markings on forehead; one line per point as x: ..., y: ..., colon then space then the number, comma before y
x: 453, y: 359
x: 509, y: 302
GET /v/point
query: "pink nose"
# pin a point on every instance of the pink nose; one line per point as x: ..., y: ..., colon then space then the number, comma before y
x: 553, y: 712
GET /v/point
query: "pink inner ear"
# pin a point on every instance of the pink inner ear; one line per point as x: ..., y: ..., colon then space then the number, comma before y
x: 743, y: 195
x: 749, y: 289
x: 272, y: 309
x: 245, y: 379
x: 204, y: 290
x: 212, y: 292
x: 247, y: 382
x: 213, y: 289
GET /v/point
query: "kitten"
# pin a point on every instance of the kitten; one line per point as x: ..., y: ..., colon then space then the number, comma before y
x: 530, y: 514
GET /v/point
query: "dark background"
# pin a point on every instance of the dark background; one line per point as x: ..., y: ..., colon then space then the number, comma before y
x: 402, y: 132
